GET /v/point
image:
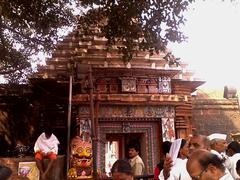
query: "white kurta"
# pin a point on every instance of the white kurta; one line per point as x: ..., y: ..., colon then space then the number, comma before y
x: 227, y: 162
x: 226, y: 177
x: 233, y: 161
x: 178, y: 171
x: 46, y: 145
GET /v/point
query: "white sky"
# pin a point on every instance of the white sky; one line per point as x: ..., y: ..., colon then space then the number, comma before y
x: 213, y: 47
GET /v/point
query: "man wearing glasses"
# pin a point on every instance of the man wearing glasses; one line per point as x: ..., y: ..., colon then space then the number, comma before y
x: 196, y: 142
x: 203, y: 165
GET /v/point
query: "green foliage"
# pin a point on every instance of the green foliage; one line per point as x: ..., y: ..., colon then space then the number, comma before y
x: 27, y: 27
x: 30, y: 26
x: 153, y: 23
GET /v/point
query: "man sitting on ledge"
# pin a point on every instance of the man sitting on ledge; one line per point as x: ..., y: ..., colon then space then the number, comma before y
x: 46, y: 146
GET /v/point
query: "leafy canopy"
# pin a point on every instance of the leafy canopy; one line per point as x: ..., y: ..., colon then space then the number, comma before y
x: 27, y: 27
x: 152, y: 22
x: 30, y: 26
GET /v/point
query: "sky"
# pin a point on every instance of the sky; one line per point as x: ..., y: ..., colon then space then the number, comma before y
x: 213, y: 46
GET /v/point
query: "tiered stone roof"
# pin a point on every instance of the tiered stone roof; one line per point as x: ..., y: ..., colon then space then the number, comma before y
x: 92, y: 49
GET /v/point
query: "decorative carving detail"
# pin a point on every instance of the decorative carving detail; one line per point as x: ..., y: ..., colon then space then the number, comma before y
x: 164, y: 85
x: 136, y: 111
x: 101, y: 85
x: 81, y: 160
x: 128, y: 84
x: 129, y: 112
x: 84, y: 110
x: 149, y: 111
x: 168, y: 130
x: 126, y: 127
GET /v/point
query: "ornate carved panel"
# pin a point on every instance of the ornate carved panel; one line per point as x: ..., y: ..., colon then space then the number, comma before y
x: 168, y: 129
x: 164, y: 85
x: 142, y: 86
x: 133, y: 85
x: 108, y: 111
x: 114, y: 84
x: 84, y: 110
x: 126, y: 127
x: 101, y: 85
x: 128, y: 84
x: 153, y: 86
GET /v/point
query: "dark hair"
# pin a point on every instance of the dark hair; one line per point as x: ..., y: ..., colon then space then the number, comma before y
x: 235, y: 146
x: 183, y: 142
x: 135, y: 146
x: 122, y: 166
x: 238, y: 166
x: 166, y: 145
x: 212, y: 159
x: 48, y: 130
x: 5, y: 172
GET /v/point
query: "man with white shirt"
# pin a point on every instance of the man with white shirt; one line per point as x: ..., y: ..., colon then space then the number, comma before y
x: 204, y: 165
x: 218, y: 145
x: 46, y: 146
x: 197, y: 141
x: 233, y: 151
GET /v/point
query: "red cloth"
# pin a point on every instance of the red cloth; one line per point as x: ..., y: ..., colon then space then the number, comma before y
x: 40, y: 156
x: 156, y: 173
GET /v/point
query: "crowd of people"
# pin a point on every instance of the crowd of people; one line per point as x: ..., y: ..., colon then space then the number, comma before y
x: 196, y: 158
x: 199, y: 158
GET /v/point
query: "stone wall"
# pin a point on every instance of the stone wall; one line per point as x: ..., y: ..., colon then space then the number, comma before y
x: 215, y: 115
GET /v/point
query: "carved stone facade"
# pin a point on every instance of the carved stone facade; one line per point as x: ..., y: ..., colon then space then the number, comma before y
x: 145, y: 99
x: 134, y: 85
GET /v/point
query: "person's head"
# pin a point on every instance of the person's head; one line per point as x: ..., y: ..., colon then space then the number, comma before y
x: 166, y: 147
x: 133, y: 150
x: 233, y: 148
x: 219, y: 145
x: 218, y: 142
x: 121, y: 170
x: 184, y: 149
x: 48, y: 131
x: 198, y: 141
x: 203, y: 165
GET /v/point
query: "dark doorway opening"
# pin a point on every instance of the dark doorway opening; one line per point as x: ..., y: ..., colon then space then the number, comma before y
x: 123, y: 140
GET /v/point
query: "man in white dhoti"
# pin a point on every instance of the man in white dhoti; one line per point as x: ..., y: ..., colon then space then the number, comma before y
x: 46, y: 146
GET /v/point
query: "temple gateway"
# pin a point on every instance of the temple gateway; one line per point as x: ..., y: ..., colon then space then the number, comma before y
x: 115, y: 102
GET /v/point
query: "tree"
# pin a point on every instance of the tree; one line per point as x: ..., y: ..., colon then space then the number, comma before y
x: 27, y: 27
x: 30, y: 26
x: 153, y: 23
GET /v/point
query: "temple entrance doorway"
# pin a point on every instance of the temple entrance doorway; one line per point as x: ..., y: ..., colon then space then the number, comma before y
x: 116, y: 147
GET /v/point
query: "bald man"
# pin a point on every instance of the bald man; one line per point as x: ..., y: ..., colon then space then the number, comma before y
x: 203, y: 165
x: 196, y: 142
